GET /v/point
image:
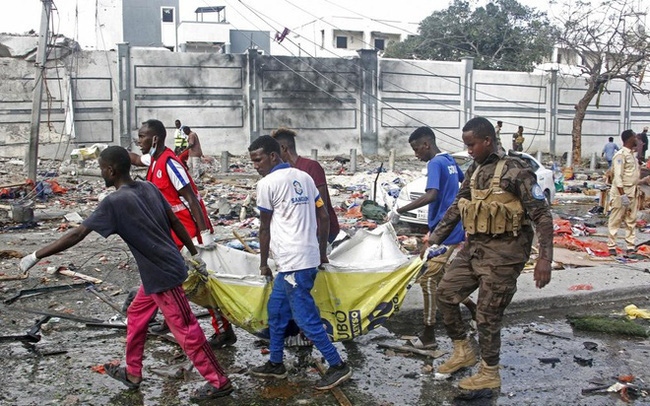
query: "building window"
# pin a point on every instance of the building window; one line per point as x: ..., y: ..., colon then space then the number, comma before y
x: 341, y: 42
x: 167, y: 15
x: 380, y: 44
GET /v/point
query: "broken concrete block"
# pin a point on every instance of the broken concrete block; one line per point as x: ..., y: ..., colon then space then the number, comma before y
x: 73, y: 217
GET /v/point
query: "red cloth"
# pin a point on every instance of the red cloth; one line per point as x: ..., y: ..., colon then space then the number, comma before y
x: 219, y: 322
x: 183, y: 157
x: 183, y: 324
x: 598, y: 248
x: 561, y: 226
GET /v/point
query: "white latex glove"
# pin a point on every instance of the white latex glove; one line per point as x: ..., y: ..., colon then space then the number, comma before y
x: 28, y: 261
x: 435, y: 250
x: 625, y: 201
x: 393, y: 215
x: 196, y: 263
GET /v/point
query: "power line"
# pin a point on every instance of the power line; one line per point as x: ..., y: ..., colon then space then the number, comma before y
x: 312, y: 68
x: 371, y: 95
x: 405, y: 60
x: 453, y: 139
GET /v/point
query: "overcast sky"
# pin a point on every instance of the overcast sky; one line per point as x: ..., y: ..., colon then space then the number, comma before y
x: 24, y: 15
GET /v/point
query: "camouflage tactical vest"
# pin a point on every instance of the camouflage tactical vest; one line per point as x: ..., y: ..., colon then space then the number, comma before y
x: 492, y: 210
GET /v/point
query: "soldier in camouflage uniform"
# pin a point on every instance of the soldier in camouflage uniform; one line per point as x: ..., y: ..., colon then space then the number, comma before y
x: 497, y: 248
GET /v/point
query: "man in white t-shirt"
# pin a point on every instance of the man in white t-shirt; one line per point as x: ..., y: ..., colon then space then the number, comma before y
x: 286, y: 198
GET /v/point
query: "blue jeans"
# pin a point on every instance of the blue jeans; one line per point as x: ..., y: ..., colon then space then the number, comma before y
x: 291, y: 299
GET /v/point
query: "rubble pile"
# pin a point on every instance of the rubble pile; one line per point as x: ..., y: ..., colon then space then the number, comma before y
x: 71, y: 189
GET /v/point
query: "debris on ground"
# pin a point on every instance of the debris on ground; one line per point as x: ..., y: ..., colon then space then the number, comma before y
x: 633, y: 312
x: 582, y: 286
x: 624, y: 386
x: 613, y: 324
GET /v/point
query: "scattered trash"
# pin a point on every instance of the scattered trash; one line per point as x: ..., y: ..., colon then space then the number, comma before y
x: 84, y: 154
x: 410, y: 349
x: 624, y: 386
x: 633, y: 312
x: 583, y: 362
x: 596, y: 248
x: 582, y: 286
x: 22, y: 212
x: 373, y: 211
x: 597, y: 210
x: 5, y: 254
x: 100, y: 368
x: 410, y: 244
x: 74, y: 217
x: 590, y: 345
x: 551, y: 361
x: 549, y: 333
x: 441, y: 377
x: 240, y: 246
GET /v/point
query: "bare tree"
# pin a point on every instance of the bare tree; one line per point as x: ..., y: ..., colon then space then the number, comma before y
x: 610, y: 42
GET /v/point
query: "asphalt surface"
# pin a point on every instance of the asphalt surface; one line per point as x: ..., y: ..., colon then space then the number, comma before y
x: 613, y: 280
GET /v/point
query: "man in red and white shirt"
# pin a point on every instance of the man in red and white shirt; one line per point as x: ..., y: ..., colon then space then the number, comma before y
x: 170, y: 176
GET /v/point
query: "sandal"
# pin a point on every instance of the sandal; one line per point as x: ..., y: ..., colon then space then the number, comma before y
x: 208, y: 391
x: 417, y: 343
x: 119, y: 373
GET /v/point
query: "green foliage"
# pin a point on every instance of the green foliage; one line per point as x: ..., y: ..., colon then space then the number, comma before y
x: 503, y: 35
x: 610, y: 325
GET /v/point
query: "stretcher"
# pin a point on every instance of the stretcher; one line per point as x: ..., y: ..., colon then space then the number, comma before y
x: 363, y: 285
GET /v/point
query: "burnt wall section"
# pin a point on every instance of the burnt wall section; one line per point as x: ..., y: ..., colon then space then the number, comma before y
x: 204, y: 91
x: 317, y: 97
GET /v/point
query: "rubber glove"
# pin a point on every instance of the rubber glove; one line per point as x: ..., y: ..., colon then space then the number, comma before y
x: 196, y: 263
x: 625, y: 201
x: 393, y: 215
x: 435, y: 250
x: 27, y: 262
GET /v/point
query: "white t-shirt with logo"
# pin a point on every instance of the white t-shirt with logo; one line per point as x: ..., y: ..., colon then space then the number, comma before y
x: 291, y: 195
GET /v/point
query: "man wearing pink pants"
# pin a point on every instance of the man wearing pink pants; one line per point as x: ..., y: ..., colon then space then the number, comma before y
x: 138, y: 212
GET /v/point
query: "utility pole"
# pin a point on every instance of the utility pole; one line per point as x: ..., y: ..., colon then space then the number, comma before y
x: 41, y: 59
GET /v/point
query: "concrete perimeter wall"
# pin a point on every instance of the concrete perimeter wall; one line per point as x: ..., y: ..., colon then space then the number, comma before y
x: 336, y: 104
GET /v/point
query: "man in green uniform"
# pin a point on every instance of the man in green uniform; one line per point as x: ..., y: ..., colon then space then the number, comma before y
x: 498, y: 202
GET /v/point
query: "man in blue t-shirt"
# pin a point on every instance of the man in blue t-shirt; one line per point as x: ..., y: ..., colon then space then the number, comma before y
x: 443, y: 178
x: 609, y: 150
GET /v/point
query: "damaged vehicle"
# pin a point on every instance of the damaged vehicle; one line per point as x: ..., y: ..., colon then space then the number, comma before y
x: 416, y: 188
